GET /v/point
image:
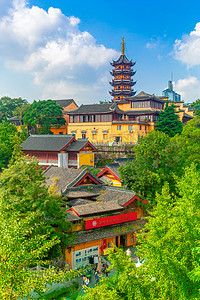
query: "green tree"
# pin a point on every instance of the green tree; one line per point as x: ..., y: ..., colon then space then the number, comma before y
x: 189, y: 142
x: 19, y: 251
x: 22, y: 191
x: 168, y: 121
x: 167, y: 242
x: 8, y: 105
x: 196, y: 106
x: 8, y: 136
x: 44, y: 115
x: 156, y: 161
x: 21, y: 110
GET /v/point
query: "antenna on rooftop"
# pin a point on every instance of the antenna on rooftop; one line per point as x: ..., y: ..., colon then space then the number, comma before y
x: 171, y: 76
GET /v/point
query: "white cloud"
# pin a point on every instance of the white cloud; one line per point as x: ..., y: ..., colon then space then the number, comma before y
x: 189, y: 88
x: 187, y: 50
x: 50, y: 46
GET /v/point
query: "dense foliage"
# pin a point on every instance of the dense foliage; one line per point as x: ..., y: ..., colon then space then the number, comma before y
x: 168, y: 121
x: 43, y: 115
x: 22, y: 191
x: 196, y: 106
x: 169, y: 242
x: 9, y: 138
x: 8, y: 105
x: 160, y: 159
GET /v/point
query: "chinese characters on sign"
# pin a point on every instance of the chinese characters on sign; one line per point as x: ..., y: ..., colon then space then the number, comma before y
x: 95, y: 223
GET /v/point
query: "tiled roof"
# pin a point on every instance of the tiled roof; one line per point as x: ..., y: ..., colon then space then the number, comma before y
x: 120, y: 196
x: 72, y: 216
x: 64, y: 102
x: 96, y: 108
x: 97, y: 208
x: 78, y: 145
x: 45, y: 142
x: 79, y: 201
x: 123, y: 60
x: 82, y: 193
x: 65, y: 178
x: 107, y: 231
x: 144, y: 96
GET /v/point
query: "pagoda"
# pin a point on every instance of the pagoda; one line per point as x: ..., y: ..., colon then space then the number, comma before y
x: 122, y: 81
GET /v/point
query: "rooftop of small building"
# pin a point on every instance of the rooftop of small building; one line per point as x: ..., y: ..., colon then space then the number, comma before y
x: 145, y: 96
x: 47, y: 142
x: 97, y: 208
x: 65, y: 102
x: 63, y: 178
x: 96, y: 108
x: 80, y: 144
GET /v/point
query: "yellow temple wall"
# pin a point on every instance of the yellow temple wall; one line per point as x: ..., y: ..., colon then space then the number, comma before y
x: 86, y: 159
x: 126, y: 135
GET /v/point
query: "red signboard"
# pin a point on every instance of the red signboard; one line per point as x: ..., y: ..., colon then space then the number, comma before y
x: 106, y: 221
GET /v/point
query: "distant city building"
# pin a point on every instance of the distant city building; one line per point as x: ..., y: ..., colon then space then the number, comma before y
x: 169, y: 92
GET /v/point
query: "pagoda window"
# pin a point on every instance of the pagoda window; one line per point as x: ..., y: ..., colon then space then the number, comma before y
x: 119, y: 127
x: 71, y: 119
x: 140, y: 127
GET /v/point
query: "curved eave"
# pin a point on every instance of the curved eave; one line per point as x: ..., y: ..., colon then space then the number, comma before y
x: 125, y: 72
x: 125, y: 93
x: 115, y: 82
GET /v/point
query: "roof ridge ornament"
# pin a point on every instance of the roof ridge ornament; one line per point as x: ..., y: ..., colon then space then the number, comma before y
x: 123, y: 47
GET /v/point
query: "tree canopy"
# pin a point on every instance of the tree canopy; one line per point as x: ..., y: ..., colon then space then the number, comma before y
x: 22, y: 191
x: 160, y: 159
x: 196, y: 106
x: 169, y: 242
x: 8, y: 105
x: 43, y: 115
x: 8, y: 139
x: 168, y: 121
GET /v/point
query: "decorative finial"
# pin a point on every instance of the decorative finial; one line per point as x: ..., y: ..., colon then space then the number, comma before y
x: 123, y: 46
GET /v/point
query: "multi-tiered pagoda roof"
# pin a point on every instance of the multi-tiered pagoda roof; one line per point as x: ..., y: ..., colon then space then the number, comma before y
x: 122, y: 81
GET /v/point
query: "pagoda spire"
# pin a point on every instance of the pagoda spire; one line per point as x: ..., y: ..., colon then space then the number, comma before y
x: 123, y: 46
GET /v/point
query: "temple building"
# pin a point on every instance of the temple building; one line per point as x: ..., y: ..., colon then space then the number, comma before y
x: 101, y: 215
x: 125, y: 118
x: 122, y: 82
x: 59, y: 150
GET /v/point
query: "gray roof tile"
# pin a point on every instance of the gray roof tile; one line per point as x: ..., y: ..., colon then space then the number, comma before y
x: 97, y: 208
x: 45, y: 142
x: 107, y: 231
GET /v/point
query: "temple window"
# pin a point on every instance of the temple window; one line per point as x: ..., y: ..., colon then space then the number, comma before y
x: 71, y: 119
x: 130, y: 127
x: 119, y: 127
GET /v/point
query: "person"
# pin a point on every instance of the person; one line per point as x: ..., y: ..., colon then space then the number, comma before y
x: 87, y: 281
x: 84, y: 278
x: 106, y: 270
x: 97, y: 277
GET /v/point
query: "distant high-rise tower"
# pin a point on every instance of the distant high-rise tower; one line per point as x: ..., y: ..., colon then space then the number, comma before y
x: 122, y: 81
x: 169, y: 92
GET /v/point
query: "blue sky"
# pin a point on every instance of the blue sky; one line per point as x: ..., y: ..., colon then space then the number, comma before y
x: 61, y: 49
